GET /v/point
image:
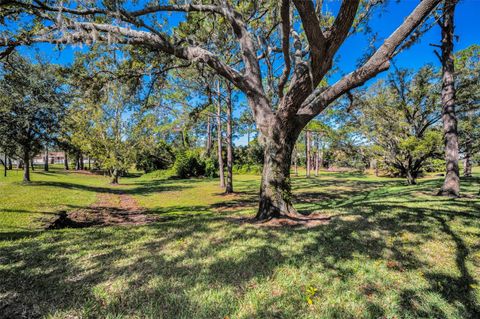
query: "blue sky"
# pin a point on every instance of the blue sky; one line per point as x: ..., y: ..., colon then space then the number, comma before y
x: 467, y: 30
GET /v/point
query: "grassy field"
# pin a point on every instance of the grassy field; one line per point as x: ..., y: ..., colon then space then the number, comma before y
x: 389, y: 251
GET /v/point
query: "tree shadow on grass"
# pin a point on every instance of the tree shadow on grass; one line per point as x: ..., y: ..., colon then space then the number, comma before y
x: 142, y: 188
x: 64, y: 271
x: 200, y: 265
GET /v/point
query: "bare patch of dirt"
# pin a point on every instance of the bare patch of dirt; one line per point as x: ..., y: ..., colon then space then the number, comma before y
x: 109, y: 209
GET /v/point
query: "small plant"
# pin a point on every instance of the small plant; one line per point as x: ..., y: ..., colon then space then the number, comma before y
x: 311, y: 292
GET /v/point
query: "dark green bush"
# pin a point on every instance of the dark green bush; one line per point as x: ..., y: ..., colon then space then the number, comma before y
x: 435, y: 165
x: 211, y: 167
x: 189, y: 163
x: 159, y: 157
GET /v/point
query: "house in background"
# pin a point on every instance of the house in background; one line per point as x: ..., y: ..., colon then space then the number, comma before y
x: 53, y: 158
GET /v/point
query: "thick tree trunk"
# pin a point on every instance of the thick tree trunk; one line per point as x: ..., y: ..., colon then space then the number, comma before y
x: 411, y: 178
x: 275, y: 189
x: 26, y: 166
x: 45, y: 165
x: 295, y: 160
x: 65, y: 161
x: 451, y: 184
x: 229, y: 186
x: 219, y: 140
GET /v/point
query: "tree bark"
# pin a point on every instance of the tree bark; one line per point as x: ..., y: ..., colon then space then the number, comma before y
x: 219, y: 139
x: 65, y: 161
x: 411, y: 177
x: 275, y: 189
x: 45, y: 165
x: 317, y: 155
x: 5, y: 165
x: 82, y: 164
x: 10, y: 166
x: 114, y: 176
x: 451, y: 184
x: 26, y: 166
x: 467, y: 168
x: 295, y: 160
x: 31, y: 164
x: 229, y: 186
x: 208, y: 148
x: 307, y: 153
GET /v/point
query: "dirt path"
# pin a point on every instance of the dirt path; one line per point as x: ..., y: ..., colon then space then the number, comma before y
x: 108, y: 209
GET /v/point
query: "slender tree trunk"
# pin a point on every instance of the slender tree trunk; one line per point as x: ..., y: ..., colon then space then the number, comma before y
x: 321, y: 158
x: 209, y: 137
x: 5, y: 164
x: 10, y: 166
x: 307, y: 153
x: 26, y: 166
x: 89, y: 163
x: 82, y: 164
x: 451, y: 184
x: 219, y: 139
x: 114, y: 176
x: 31, y: 164
x: 467, y: 167
x: 275, y: 189
x: 65, y: 161
x: 229, y: 186
x: 45, y: 165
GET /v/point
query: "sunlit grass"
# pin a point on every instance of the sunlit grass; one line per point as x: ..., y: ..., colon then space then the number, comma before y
x: 390, y: 251
x: 24, y: 206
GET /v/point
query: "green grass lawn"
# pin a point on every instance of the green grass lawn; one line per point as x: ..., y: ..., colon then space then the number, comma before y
x: 389, y: 251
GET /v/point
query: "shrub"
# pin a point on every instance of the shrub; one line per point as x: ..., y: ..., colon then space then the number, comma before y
x: 159, y: 174
x: 189, y: 164
x: 247, y: 169
x: 435, y: 165
x: 159, y: 157
x: 211, y: 167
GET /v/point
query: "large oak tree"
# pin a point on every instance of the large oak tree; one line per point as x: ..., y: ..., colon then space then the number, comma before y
x: 293, y: 34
